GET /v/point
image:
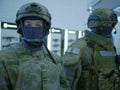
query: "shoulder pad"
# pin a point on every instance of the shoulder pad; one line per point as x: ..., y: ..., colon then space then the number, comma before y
x: 11, y: 52
x: 74, y: 52
x: 80, y: 43
x: 7, y: 53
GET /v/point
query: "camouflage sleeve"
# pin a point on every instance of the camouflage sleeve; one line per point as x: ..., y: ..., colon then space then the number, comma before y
x: 4, y: 79
x: 72, y: 62
x: 3, y: 83
x: 63, y: 80
x: 73, y: 73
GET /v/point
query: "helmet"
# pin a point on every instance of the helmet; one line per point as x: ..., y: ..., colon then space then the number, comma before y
x: 102, y: 16
x: 33, y: 9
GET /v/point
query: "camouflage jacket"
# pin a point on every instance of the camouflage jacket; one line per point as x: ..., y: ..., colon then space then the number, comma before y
x: 90, y: 64
x: 21, y: 69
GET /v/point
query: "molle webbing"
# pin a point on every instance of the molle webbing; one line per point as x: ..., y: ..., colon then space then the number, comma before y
x: 101, y: 40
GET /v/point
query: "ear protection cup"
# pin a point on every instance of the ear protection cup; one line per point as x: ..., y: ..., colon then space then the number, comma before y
x: 19, y: 30
x: 46, y: 29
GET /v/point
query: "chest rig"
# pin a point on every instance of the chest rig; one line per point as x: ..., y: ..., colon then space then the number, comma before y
x: 102, y: 73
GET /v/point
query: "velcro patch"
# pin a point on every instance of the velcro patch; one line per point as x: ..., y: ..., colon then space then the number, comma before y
x: 76, y: 51
x: 107, y: 53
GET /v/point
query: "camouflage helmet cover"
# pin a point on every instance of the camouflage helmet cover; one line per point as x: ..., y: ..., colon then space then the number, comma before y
x: 33, y: 9
x: 102, y: 16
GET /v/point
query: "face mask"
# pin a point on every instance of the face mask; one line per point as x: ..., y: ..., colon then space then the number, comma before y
x: 33, y: 33
x: 104, y: 30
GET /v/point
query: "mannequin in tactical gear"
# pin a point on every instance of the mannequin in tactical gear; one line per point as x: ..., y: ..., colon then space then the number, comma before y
x: 29, y: 65
x: 91, y: 62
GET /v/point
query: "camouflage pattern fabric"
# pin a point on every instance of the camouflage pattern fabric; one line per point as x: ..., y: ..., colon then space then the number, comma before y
x: 93, y: 67
x: 102, y: 16
x: 21, y: 69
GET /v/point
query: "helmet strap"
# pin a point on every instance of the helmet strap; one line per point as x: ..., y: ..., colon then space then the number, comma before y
x: 20, y: 27
x: 46, y: 29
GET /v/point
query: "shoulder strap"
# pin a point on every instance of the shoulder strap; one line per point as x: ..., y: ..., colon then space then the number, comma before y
x: 49, y: 53
x: 19, y: 80
x: 44, y: 76
x: 7, y: 77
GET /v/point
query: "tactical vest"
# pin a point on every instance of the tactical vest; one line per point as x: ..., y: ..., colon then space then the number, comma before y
x: 102, y: 74
x: 23, y: 71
